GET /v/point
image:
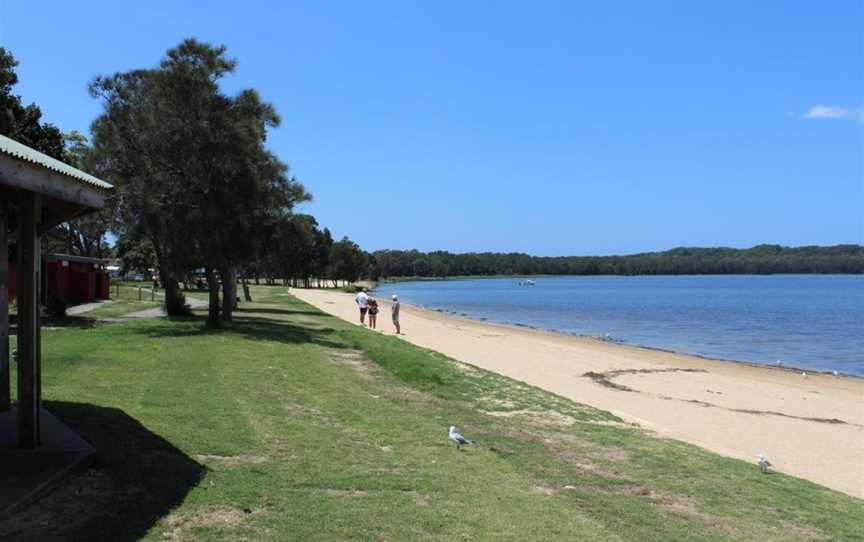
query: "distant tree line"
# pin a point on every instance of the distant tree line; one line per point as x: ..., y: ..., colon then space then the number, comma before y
x: 762, y: 259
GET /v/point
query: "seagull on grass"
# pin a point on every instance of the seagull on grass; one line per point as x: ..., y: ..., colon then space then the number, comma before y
x: 457, y: 438
x: 764, y: 464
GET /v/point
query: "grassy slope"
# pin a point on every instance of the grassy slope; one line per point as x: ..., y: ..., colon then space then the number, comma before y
x: 294, y: 425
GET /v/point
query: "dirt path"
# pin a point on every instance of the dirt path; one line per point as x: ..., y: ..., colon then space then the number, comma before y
x: 156, y: 312
x: 86, y: 307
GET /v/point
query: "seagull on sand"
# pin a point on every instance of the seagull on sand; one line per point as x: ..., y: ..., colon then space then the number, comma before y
x: 764, y: 464
x: 457, y: 438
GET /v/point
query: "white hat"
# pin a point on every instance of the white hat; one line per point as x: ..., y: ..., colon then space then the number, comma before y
x: 395, y: 296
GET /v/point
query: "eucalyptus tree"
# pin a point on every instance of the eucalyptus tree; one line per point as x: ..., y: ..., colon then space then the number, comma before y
x: 193, y: 174
x: 151, y: 140
x: 347, y: 261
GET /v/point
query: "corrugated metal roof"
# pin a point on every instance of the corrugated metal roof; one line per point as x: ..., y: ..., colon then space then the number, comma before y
x: 23, y: 152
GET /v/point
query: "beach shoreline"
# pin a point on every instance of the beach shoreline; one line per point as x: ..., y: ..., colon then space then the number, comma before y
x: 811, y: 427
x: 622, y: 342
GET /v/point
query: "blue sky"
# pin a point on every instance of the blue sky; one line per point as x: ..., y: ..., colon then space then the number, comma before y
x: 542, y: 127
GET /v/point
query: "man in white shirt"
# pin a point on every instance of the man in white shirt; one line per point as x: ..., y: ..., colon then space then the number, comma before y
x: 363, y: 302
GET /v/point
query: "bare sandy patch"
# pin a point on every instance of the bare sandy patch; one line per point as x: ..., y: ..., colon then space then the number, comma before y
x: 232, y: 460
x: 538, y: 416
x: 179, y: 523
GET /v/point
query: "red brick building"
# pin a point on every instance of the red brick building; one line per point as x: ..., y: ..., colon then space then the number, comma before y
x: 72, y: 279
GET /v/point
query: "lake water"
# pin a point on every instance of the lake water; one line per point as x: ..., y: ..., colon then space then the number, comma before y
x: 807, y: 321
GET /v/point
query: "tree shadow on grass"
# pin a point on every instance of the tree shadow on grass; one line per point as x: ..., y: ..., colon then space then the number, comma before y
x: 252, y: 328
x: 135, y: 479
x: 54, y: 322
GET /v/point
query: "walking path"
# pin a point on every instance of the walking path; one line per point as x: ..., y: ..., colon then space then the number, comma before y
x: 86, y: 307
x: 156, y: 312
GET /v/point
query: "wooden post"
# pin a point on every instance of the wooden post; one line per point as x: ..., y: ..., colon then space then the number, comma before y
x: 29, y: 389
x: 5, y: 389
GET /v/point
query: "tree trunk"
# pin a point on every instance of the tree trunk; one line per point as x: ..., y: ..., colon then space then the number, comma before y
x: 175, y: 302
x: 247, y: 295
x: 229, y: 295
x: 213, y: 319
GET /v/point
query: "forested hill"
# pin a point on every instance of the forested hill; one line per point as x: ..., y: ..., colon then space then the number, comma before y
x: 762, y: 259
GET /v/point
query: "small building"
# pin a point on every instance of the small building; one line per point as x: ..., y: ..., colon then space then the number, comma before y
x: 71, y: 279
x: 75, y: 279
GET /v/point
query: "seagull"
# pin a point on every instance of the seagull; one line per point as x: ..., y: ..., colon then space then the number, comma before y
x: 764, y: 464
x: 457, y: 438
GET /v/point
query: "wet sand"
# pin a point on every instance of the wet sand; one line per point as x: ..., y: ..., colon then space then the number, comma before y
x: 809, y: 426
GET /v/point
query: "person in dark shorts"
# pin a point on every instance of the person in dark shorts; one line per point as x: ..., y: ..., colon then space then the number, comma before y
x: 362, y: 300
x: 395, y: 308
x: 373, y: 312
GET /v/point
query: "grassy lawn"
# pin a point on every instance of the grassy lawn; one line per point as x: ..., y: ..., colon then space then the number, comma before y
x: 292, y: 425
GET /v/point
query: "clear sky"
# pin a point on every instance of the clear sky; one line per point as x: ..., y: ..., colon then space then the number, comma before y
x: 553, y: 128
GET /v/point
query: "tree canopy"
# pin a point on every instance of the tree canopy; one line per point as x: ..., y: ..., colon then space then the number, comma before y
x: 192, y: 174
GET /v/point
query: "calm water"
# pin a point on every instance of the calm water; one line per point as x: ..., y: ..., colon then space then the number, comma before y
x: 808, y: 321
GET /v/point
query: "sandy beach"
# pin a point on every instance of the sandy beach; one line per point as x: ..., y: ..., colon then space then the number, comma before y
x: 809, y: 426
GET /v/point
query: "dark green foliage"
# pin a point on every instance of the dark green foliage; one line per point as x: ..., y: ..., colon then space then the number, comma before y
x: 347, y: 261
x: 192, y: 174
x: 762, y: 259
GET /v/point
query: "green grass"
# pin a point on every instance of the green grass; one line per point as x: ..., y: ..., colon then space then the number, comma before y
x: 126, y: 299
x: 293, y: 425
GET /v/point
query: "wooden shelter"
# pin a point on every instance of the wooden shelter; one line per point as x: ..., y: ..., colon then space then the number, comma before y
x: 37, y: 193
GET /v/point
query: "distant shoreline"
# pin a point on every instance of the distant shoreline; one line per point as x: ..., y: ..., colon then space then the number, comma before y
x: 393, y: 280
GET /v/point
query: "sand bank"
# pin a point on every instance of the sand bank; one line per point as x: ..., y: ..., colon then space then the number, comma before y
x: 811, y: 427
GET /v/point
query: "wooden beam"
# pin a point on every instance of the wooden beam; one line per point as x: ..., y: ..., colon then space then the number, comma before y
x: 16, y: 173
x: 29, y: 215
x: 5, y: 389
x: 59, y: 212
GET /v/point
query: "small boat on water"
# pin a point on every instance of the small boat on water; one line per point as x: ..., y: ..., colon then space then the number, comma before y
x: 527, y: 282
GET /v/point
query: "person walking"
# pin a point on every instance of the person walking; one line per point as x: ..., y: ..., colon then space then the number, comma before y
x: 395, y: 308
x: 373, y: 312
x: 362, y: 300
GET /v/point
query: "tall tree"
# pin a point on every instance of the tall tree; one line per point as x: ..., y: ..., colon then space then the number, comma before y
x: 153, y: 139
x: 193, y: 173
x: 347, y: 260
